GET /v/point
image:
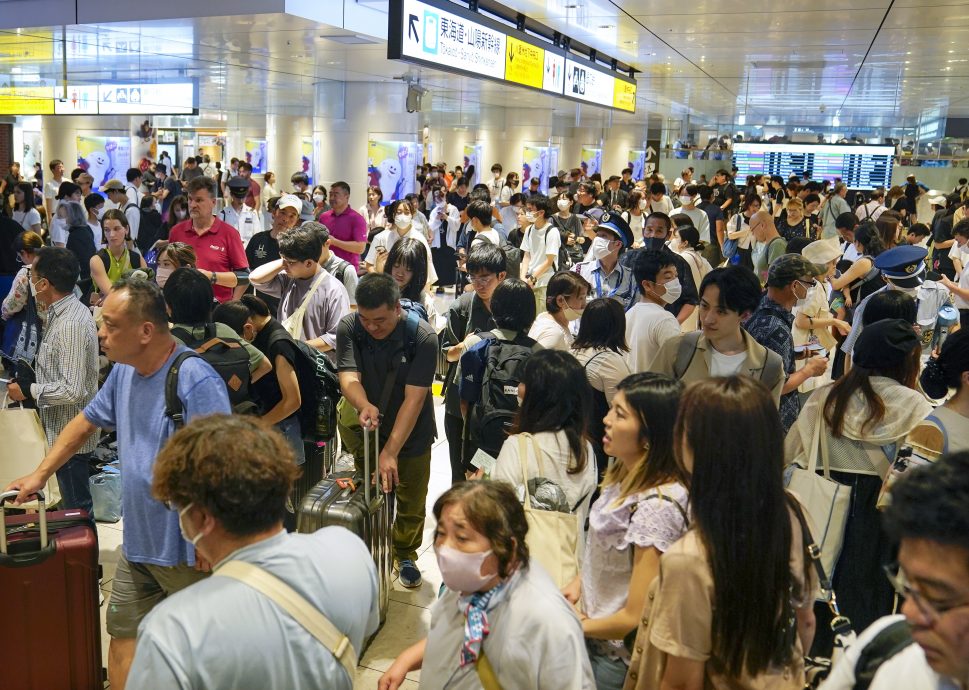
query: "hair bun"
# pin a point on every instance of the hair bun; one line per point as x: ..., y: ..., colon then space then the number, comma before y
x: 933, y: 379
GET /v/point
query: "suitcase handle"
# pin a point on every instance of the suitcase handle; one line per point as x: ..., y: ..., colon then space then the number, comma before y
x: 10, y: 495
x: 366, y: 458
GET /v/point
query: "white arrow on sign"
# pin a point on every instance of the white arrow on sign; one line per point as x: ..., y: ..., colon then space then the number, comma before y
x: 650, y: 152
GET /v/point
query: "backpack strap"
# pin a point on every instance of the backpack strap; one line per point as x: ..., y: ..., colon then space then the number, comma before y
x: 105, y: 259
x: 174, y: 409
x: 945, y: 434
x: 773, y: 367
x: 685, y: 352
x: 886, y: 644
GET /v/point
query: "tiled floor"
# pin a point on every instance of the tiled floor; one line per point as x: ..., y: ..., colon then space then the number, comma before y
x: 408, y: 616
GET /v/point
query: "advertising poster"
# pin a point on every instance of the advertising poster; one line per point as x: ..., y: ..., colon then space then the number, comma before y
x: 472, y: 156
x: 256, y: 155
x: 103, y: 157
x: 591, y: 160
x: 144, y: 146
x: 637, y: 161
x: 32, y: 154
x: 306, y: 158
x: 535, y: 163
x: 211, y: 145
x: 391, y: 166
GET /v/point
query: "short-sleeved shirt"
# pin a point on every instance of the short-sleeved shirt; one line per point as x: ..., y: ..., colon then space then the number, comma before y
x: 218, y: 249
x: 466, y: 315
x: 770, y: 325
x: 620, y: 284
x: 374, y: 360
x: 267, y: 389
x: 386, y: 239
x: 648, y: 326
x: 134, y: 405
x: 51, y: 187
x: 348, y: 226
x: 262, y: 249
x: 540, y: 244
x: 714, y: 213
x: 245, y: 220
x: 27, y: 220
x: 343, y: 271
x: 328, y: 303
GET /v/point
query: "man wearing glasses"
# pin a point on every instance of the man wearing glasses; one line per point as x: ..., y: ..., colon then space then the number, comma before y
x: 929, y: 515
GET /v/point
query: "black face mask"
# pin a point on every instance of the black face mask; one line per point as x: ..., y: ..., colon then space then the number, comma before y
x: 654, y: 243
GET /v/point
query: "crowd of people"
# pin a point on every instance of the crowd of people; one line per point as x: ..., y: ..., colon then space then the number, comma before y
x: 630, y: 371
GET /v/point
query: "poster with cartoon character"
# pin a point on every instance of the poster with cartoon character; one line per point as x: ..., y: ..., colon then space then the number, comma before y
x: 103, y: 157
x: 637, y: 161
x: 256, y: 155
x: 306, y: 158
x: 391, y: 167
x: 591, y: 160
x: 535, y: 163
x: 472, y: 156
x: 144, y: 150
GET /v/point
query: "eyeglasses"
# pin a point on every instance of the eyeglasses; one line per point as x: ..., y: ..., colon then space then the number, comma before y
x: 481, y: 280
x: 903, y: 588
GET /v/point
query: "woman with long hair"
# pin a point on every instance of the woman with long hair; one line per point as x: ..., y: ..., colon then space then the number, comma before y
x: 635, y: 213
x: 407, y: 264
x: 112, y: 262
x: 688, y: 245
x: 373, y: 213
x: 738, y: 228
x: 861, y: 278
x: 20, y: 304
x: 172, y: 256
x: 862, y: 416
x: 742, y: 565
x: 950, y: 372
x: 640, y: 513
x: 177, y: 212
x: 24, y: 212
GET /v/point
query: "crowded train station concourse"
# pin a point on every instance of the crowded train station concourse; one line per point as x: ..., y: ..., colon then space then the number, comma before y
x: 484, y: 344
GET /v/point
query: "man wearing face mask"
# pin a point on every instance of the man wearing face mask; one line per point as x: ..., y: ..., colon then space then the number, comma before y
x: 94, y: 205
x: 789, y: 280
x: 238, y: 213
x: 603, y: 271
x: 648, y: 324
x: 689, y: 194
x: 541, y: 246
x: 496, y: 183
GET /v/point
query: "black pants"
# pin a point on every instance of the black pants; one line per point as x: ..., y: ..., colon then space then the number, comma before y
x: 453, y: 430
x: 864, y: 593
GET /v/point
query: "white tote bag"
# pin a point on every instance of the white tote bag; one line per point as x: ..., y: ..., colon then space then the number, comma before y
x: 294, y: 322
x: 24, y: 446
x: 825, y: 501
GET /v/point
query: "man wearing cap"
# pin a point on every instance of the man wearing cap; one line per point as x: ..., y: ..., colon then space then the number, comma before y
x: 238, y: 213
x: 118, y: 195
x: 602, y: 269
x: 789, y: 281
x: 263, y: 248
x: 613, y: 198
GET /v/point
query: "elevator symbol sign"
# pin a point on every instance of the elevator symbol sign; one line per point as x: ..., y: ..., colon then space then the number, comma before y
x: 430, y: 33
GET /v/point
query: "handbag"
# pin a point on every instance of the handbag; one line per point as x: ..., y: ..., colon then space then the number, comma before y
x: 294, y: 322
x: 825, y: 501
x: 24, y: 447
x: 552, y: 537
x: 730, y: 246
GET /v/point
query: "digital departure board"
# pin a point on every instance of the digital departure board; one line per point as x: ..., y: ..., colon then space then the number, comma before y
x: 859, y: 167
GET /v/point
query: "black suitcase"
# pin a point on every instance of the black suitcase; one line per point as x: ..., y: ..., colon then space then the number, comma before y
x: 347, y: 499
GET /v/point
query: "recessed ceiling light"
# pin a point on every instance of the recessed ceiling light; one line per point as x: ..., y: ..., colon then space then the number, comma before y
x: 613, y: 26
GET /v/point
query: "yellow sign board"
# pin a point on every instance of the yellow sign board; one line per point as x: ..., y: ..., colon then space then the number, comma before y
x: 36, y: 46
x: 26, y: 100
x: 524, y: 63
x: 624, y: 95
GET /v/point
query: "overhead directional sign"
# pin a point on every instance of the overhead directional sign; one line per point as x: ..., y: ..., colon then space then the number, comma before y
x: 47, y: 98
x: 444, y: 36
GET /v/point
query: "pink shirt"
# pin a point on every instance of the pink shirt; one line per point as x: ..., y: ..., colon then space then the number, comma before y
x: 348, y: 226
x: 217, y: 249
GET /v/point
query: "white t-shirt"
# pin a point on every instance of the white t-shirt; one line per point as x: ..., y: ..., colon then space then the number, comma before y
x: 488, y: 235
x: 648, y: 326
x: 604, y: 369
x: 506, y: 194
x: 701, y: 221
x: 51, y: 188
x: 961, y: 302
x: 547, y: 333
x: 664, y: 205
x: 27, y: 220
x: 725, y: 365
x: 540, y: 243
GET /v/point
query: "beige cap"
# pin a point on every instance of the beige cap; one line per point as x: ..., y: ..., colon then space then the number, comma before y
x: 820, y: 252
x: 113, y: 186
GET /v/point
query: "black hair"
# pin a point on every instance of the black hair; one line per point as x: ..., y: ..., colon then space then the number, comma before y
x: 920, y: 229
x: 586, y: 187
x: 558, y: 397
x: 145, y: 299
x: 869, y: 238
x: 480, y: 210
x: 147, y: 202
x: 59, y: 266
x: 961, y: 228
x: 667, y: 221
x: 321, y: 230
x: 480, y: 193
x: 341, y: 185
x: 496, y: 167
x: 540, y: 202
x: 889, y: 304
x: 811, y: 199
x: 648, y: 264
x: 739, y: 288
x: 233, y: 314
x: 691, y: 236
x: 133, y: 174
x: 188, y: 294
x: 602, y: 326
x: 92, y: 201
x: 412, y: 255
x: 512, y: 305
x: 516, y: 198
x: 846, y: 221
x: 705, y: 192
x: 300, y: 244
x: 377, y: 290
x: 796, y: 245
x: 944, y: 372
x: 565, y: 284
x: 487, y: 257
x: 299, y: 178
x: 657, y: 188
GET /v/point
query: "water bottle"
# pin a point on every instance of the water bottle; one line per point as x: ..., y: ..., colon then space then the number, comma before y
x: 948, y: 317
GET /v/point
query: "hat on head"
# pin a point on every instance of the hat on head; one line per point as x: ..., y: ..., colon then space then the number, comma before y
x: 790, y: 267
x: 904, y: 265
x: 594, y: 214
x: 938, y: 201
x: 113, y: 186
x: 617, y: 224
x: 290, y: 201
x: 238, y: 187
x: 885, y: 343
x: 820, y: 252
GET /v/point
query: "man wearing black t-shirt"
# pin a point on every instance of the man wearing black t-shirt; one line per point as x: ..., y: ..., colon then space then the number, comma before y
x: 263, y: 247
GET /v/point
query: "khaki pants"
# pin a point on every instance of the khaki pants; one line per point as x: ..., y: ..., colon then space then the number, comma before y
x: 414, y: 474
x: 539, y: 293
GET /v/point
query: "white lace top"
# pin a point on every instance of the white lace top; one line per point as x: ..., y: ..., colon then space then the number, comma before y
x: 655, y: 517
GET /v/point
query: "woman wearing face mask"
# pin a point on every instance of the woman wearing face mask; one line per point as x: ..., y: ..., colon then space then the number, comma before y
x: 177, y: 212
x: 511, y: 186
x: 564, y: 302
x: 319, y: 202
x: 403, y: 214
x: 173, y: 255
x: 500, y: 622
x: 373, y: 212
x: 570, y: 228
x: 640, y: 513
x: 112, y: 262
x: 689, y: 246
x: 634, y: 214
x: 444, y: 220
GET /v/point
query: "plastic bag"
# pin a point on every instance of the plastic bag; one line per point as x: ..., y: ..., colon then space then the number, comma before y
x: 106, y: 493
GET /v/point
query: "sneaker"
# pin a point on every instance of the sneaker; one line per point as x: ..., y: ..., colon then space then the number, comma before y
x: 410, y: 576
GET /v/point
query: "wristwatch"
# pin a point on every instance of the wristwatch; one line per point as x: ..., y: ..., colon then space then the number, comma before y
x: 214, y: 279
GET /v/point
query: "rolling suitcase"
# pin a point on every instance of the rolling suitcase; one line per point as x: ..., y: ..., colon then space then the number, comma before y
x: 348, y: 500
x: 49, y: 593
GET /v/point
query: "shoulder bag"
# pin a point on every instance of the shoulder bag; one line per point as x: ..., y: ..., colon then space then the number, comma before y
x: 294, y: 322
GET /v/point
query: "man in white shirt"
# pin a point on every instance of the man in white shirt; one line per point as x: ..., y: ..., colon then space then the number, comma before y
x: 237, y: 213
x: 659, y: 202
x: 929, y: 516
x: 132, y: 190
x: 701, y: 221
x: 496, y: 183
x: 873, y: 208
x: 52, y: 186
x: 648, y: 324
x: 541, y: 247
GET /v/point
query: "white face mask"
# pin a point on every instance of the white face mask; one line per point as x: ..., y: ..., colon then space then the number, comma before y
x: 100, y: 213
x: 642, y: 204
x: 563, y: 204
x: 180, y: 214
x: 600, y: 248
x: 402, y: 220
x: 497, y: 175
x: 161, y: 275
x: 318, y: 198
x: 191, y: 540
x: 461, y: 571
x: 673, y: 291
x: 572, y: 314
x: 686, y: 200
x: 529, y: 217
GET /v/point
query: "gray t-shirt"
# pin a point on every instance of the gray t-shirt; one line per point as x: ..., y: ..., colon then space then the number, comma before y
x: 222, y: 633
x: 346, y: 273
x: 327, y: 305
x: 374, y: 360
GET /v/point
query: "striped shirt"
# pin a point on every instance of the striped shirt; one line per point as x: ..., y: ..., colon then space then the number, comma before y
x: 67, y: 367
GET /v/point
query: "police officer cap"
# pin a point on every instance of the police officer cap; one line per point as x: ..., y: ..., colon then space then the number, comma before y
x: 903, y: 265
x: 617, y: 224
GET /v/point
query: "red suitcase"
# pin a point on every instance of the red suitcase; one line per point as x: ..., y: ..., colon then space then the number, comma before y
x: 51, y: 637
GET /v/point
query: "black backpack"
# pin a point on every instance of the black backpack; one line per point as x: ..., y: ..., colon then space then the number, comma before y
x: 229, y: 359
x: 491, y: 417
x: 319, y: 389
x: 149, y: 229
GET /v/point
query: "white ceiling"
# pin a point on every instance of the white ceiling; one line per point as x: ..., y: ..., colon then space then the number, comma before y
x: 883, y: 63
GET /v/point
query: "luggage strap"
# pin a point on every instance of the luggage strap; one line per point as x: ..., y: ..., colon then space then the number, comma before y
x: 293, y: 603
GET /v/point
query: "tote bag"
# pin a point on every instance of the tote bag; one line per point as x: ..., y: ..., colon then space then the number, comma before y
x: 825, y: 501
x: 24, y: 446
x: 552, y: 536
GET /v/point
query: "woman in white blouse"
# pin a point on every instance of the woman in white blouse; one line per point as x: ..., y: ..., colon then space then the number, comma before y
x: 24, y: 212
x: 373, y: 212
x: 564, y: 303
